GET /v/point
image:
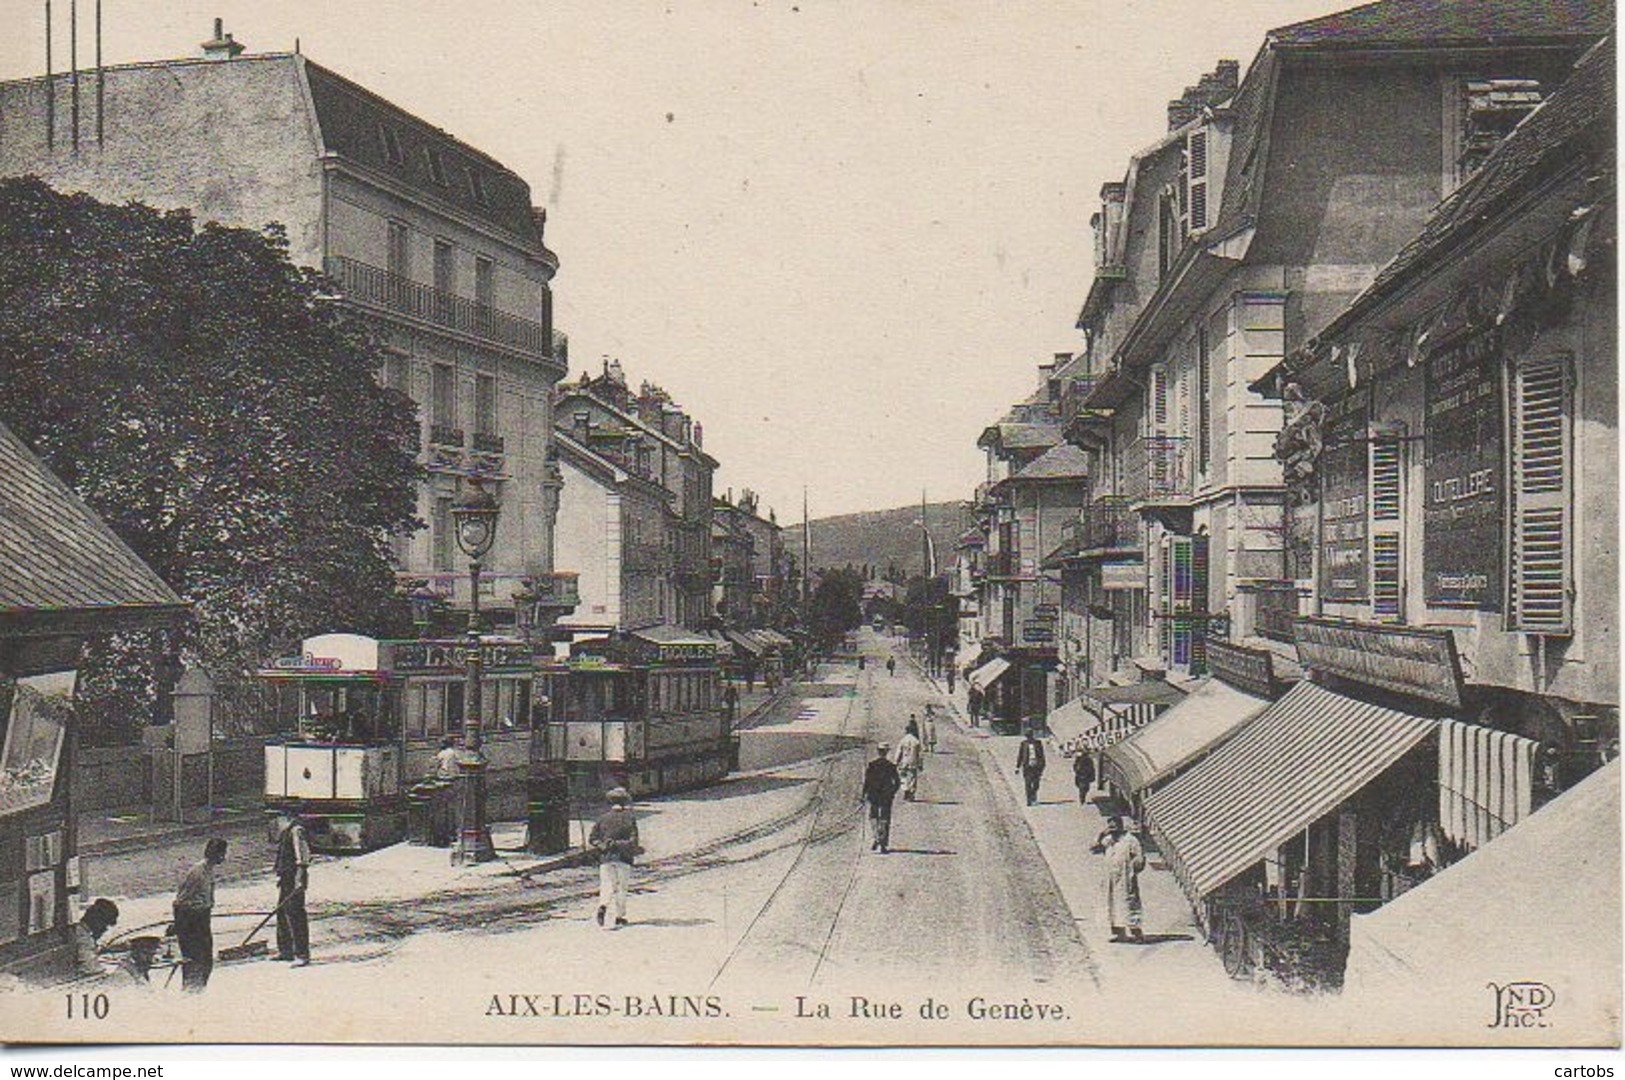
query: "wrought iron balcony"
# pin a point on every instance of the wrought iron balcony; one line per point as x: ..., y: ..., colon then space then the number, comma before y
x: 445, y: 435
x: 1275, y: 612
x: 1109, y: 523
x: 1157, y: 467
x: 377, y: 287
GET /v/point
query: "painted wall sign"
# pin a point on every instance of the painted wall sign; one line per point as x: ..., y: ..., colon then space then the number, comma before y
x: 1344, y: 508
x: 1420, y: 663
x: 1463, y: 537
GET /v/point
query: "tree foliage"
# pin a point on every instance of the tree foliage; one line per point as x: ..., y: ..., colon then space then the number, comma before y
x: 202, y: 394
x: 836, y: 606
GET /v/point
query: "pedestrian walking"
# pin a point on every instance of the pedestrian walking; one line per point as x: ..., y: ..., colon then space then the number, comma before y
x: 292, y: 867
x: 862, y: 660
x: 447, y: 760
x: 910, y: 761
x: 194, y: 914
x: 615, y: 838
x: 1030, y: 764
x: 1083, y: 774
x: 880, y: 784
x: 928, y: 729
x: 952, y: 669
x: 1125, y: 858
x: 100, y: 917
x: 975, y: 703
x: 891, y: 665
x: 730, y: 701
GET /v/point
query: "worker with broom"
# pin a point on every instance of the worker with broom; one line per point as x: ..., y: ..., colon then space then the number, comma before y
x: 292, y: 877
x: 194, y: 912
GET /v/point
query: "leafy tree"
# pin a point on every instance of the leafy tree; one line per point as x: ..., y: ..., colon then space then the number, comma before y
x: 836, y: 606
x: 204, y: 396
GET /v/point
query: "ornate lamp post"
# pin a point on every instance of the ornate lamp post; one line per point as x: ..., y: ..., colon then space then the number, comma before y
x: 475, y: 519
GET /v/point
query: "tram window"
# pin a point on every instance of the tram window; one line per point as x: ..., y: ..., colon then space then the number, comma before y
x: 454, y: 706
x: 434, y: 709
x: 416, y: 722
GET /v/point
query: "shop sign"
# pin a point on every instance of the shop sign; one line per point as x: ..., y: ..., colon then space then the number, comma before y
x: 1464, y: 536
x: 1420, y: 663
x: 1046, y: 611
x: 1034, y: 630
x: 1343, y: 502
x: 1241, y: 667
x: 1122, y: 575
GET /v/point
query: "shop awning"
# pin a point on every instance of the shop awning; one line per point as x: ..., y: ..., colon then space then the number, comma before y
x: 1110, y: 714
x: 725, y: 648
x: 748, y: 643
x: 984, y: 676
x: 1179, y: 736
x: 1541, y: 901
x: 1293, y: 764
x: 1067, y: 722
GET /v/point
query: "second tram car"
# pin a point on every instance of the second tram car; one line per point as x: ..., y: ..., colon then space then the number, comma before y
x: 642, y: 710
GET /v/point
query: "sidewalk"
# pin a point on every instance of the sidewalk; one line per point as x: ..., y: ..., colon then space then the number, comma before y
x: 1176, y: 954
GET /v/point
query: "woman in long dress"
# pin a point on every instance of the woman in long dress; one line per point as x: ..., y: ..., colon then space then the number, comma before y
x: 910, y: 759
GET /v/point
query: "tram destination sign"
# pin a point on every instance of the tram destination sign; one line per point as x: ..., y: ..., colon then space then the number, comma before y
x: 452, y: 656
x: 1419, y: 663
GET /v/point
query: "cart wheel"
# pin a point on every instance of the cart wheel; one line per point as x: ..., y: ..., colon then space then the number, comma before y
x: 1235, y: 948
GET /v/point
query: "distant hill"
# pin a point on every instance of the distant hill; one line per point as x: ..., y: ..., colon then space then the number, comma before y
x: 882, y: 538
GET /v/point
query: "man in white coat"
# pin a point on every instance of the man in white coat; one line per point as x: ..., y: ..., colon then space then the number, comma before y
x: 910, y: 759
x: 1125, y: 858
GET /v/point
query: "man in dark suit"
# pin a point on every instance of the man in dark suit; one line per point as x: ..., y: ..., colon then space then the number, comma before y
x: 880, y: 784
x: 1030, y: 764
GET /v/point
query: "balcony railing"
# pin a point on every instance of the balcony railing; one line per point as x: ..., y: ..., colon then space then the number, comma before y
x: 1109, y: 523
x: 1157, y: 467
x: 1275, y: 611
x: 445, y: 435
x: 373, y: 285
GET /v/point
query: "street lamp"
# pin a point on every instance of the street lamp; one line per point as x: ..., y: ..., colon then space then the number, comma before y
x: 475, y: 521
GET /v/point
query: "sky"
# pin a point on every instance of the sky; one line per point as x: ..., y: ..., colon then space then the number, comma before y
x: 842, y: 235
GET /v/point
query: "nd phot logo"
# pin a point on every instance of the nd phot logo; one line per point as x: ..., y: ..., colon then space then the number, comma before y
x: 1521, y: 1004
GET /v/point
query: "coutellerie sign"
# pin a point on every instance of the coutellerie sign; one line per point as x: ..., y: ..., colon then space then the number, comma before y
x: 1343, y: 502
x: 1463, y: 524
x: 1418, y: 663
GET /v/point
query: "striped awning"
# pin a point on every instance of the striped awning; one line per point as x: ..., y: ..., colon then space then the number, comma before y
x: 1293, y: 764
x: 983, y: 676
x: 1179, y: 736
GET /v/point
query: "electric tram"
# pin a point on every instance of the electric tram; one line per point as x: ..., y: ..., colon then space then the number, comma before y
x: 365, y: 718
x: 642, y: 710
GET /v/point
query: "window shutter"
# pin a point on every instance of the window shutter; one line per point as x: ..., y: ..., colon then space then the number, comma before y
x: 1387, y: 572
x: 1541, y: 527
x: 1196, y: 181
x: 1159, y: 400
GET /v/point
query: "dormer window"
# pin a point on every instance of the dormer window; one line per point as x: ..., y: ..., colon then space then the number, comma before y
x: 476, y: 186
x: 1479, y: 114
x: 437, y: 167
x: 392, y: 145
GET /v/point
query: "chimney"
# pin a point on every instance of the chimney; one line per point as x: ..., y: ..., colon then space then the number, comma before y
x: 223, y: 47
x: 1213, y: 87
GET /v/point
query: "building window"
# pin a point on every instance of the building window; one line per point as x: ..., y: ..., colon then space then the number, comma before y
x: 440, y: 535
x: 445, y: 266
x: 399, y: 252
x: 392, y: 145
x: 485, y: 404
x: 1196, y: 181
x: 1479, y: 113
x: 1169, y: 235
x: 443, y: 397
x: 1542, y: 469
x: 476, y: 186
x: 484, y: 282
x: 437, y: 166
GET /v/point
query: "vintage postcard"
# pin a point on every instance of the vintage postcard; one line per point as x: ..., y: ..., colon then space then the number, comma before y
x: 779, y: 523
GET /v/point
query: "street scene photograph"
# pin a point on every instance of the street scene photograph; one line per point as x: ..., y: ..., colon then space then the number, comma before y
x: 760, y: 523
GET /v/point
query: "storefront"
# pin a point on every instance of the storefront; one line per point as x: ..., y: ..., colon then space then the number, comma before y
x: 1325, y: 804
x: 1105, y: 715
x: 64, y: 577
x: 1241, y: 684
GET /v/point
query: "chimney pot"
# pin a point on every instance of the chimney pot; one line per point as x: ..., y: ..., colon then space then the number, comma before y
x: 222, y: 46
